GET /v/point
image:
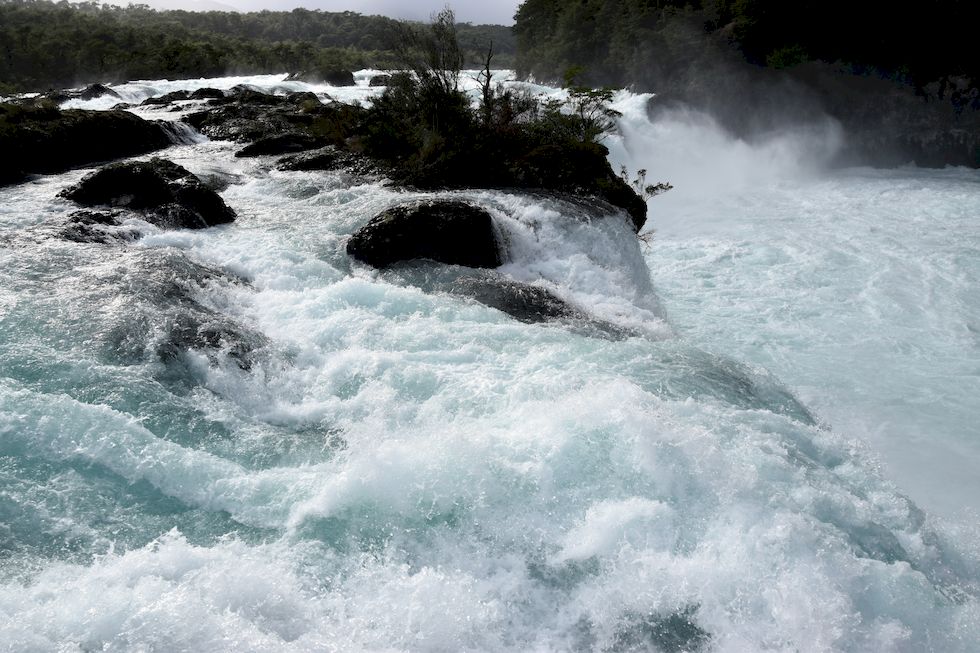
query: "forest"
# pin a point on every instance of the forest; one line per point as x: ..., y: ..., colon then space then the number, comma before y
x: 618, y: 41
x: 47, y: 45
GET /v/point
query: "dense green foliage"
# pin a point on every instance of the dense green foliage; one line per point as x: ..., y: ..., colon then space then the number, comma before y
x: 53, y: 45
x: 617, y: 39
x: 428, y: 133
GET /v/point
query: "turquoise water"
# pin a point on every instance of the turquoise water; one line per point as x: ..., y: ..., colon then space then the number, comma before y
x: 779, y: 459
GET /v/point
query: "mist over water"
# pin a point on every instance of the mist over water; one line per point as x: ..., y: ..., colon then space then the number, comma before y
x: 778, y: 458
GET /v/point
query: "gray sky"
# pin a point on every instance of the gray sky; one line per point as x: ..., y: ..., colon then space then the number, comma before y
x: 469, y: 11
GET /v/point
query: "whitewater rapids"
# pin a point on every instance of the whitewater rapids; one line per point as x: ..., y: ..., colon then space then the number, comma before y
x: 782, y: 458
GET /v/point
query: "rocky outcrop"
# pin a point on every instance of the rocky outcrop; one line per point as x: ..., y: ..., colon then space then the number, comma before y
x: 207, y: 94
x: 330, y: 76
x: 287, y: 143
x: 90, y: 92
x: 173, y: 96
x: 164, y: 193
x: 380, y: 80
x: 247, y: 115
x: 39, y: 138
x: 447, y: 231
x: 96, y: 91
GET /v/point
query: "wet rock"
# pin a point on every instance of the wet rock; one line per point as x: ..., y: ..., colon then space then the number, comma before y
x: 49, y: 140
x: 447, y: 231
x: 97, y: 227
x: 280, y: 144
x: 207, y: 94
x: 534, y: 305
x: 167, y: 195
x: 199, y: 328
x: 380, y: 80
x: 248, y: 115
x: 331, y: 76
x: 93, y: 91
x: 174, y: 96
x: 672, y: 633
x: 245, y: 94
x: 303, y: 98
x: 329, y: 158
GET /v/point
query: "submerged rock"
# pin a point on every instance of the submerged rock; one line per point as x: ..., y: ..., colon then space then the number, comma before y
x: 164, y: 315
x: 97, y: 227
x: 199, y: 328
x: 39, y: 138
x: 168, y: 195
x: 534, y: 305
x: 670, y: 633
x: 447, y: 231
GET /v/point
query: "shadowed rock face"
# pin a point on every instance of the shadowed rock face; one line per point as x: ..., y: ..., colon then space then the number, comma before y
x: 168, y: 195
x: 446, y: 231
x: 39, y: 138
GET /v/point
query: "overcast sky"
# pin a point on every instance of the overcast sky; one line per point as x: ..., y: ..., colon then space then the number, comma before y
x: 500, y: 12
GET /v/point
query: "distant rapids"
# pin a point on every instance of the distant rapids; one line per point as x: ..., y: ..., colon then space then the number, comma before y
x: 782, y: 455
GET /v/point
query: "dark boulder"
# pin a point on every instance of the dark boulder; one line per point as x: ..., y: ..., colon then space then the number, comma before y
x: 206, y: 94
x: 447, y: 231
x: 303, y: 98
x: 49, y: 140
x: 380, y: 80
x: 167, y: 195
x: 330, y: 76
x: 93, y: 91
x: 280, y: 144
x: 168, y: 98
x: 339, y: 77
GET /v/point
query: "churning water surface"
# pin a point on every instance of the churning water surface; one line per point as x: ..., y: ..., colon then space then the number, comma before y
x: 781, y: 456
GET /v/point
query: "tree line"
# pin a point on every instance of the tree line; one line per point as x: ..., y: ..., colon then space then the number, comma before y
x: 46, y: 44
x: 617, y: 41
